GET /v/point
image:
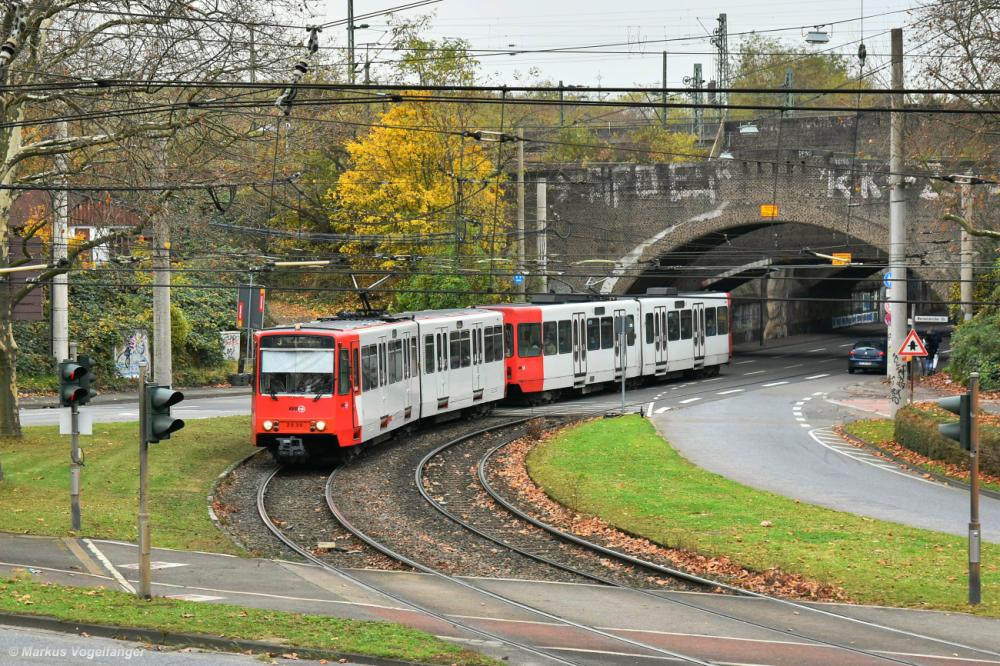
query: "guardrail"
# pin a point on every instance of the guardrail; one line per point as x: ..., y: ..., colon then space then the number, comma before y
x: 855, y: 319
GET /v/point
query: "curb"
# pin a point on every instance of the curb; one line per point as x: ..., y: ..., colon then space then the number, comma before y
x: 215, y: 491
x: 940, y: 478
x: 181, y: 640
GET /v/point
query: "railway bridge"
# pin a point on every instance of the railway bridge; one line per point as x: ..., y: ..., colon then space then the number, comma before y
x: 762, y: 228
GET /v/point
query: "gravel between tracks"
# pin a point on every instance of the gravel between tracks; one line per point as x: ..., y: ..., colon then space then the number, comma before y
x: 378, y: 494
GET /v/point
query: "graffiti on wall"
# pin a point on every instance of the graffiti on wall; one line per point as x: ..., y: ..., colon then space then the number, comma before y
x: 131, y: 353
x: 230, y: 345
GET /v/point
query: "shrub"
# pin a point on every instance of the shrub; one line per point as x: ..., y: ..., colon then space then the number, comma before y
x: 916, y: 429
x: 974, y: 349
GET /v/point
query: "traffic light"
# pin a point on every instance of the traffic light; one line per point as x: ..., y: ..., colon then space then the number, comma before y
x: 157, y: 423
x: 71, y: 391
x: 86, y: 379
x: 961, y: 432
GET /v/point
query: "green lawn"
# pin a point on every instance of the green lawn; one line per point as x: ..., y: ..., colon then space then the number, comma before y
x: 876, y: 431
x: 621, y: 470
x: 34, y: 495
x: 112, y: 608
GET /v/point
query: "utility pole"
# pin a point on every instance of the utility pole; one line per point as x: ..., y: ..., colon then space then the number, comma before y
x: 368, y: 65
x: 162, y: 358
x: 966, y: 284
x: 519, y: 238
x: 663, y: 95
x: 60, y: 250
x: 562, y: 110
x: 695, y: 82
x: 350, y: 41
x: 540, y: 218
x: 789, y: 96
x: 897, y: 233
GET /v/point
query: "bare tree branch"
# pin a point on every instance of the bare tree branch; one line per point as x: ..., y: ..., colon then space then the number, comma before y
x: 973, y: 231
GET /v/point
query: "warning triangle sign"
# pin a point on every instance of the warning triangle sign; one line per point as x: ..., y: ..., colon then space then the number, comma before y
x: 912, y: 346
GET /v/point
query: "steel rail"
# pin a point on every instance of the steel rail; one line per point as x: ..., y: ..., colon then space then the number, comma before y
x: 652, y: 566
x: 342, y: 519
x: 370, y: 587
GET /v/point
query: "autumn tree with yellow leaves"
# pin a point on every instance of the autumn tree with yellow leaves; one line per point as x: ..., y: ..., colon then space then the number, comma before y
x: 424, y: 200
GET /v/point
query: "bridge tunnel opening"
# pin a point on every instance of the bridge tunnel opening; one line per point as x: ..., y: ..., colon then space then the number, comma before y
x: 783, y: 278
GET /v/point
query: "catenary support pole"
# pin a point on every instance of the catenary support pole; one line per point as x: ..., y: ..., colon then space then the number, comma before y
x: 350, y: 41
x: 663, y: 116
x: 897, y: 235
x: 967, y: 255
x: 541, y: 222
x: 974, y: 530
x: 145, y: 586
x: 60, y: 250
x: 162, y: 358
x: 523, y: 287
x: 75, y: 460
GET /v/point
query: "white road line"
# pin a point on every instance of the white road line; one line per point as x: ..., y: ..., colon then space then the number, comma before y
x: 805, y: 425
x: 829, y: 360
x: 826, y: 374
x: 773, y: 384
x: 661, y: 410
x: 755, y: 372
x: 127, y: 586
x: 797, y: 365
x: 820, y: 393
x: 714, y: 379
x: 857, y: 456
x: 806, y: 398
x: 742, y: 362
x: 729, y: 391
x: 649, y: 410
x: 684, y: 402
x: 799, y: 403
x: 846, y: 345
x: 817, y: 350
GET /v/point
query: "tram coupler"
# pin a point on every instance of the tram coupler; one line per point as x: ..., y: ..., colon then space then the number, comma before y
x: 291, y: 450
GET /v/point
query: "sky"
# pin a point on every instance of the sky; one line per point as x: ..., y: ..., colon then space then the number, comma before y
x: 636, y: 30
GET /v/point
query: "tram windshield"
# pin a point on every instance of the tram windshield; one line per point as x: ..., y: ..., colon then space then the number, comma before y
x: 302, y: 369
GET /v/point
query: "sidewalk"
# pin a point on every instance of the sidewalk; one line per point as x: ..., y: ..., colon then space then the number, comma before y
x: 52, y: 401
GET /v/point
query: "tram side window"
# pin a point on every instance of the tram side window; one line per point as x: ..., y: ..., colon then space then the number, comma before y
x: 649, y: 328
x: 607, y: 333
x: 550, y: 338
x: 508, y: 340
x: 656, y: 330
x: 673, y: 326
x: 369, y: 367
x: 723, y: 319
x: 498, y: 343
x: 685, y: 324
x: 395, y: 361
x: 356, y: 368
x: 565, y: 337
x: 488, y: 344
x: 414, y: 361
x: 382, y: 374
x: 455, y: 349
x: 344, y: 372
x: 466, y: 349
x: 630, y: 330
x: 475, y: 347
x: 593, y: 334
x: 429, y: 354
x: 529, y: 340
x: 709, y: 321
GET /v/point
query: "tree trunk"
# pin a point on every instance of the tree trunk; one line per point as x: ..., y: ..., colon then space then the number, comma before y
x: 10, y: 420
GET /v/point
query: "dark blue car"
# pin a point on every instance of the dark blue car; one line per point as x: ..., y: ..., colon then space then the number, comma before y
x: 867, y: 355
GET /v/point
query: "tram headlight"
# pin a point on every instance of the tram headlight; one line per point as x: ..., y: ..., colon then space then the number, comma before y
x: 268, y: 425
x: 321, y: 425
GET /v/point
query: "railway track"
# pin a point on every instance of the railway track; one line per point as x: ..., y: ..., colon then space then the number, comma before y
x: 443, y: 480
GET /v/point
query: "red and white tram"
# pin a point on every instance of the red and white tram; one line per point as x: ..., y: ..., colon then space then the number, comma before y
x: 337, y: 383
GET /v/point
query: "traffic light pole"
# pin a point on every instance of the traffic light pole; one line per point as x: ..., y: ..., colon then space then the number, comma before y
x: 144, y: 567
x: 76, y: 461
x: 974, y: 528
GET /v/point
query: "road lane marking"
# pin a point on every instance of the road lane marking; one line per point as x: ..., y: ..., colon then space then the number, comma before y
x: 773, y: 384
x: 799, y: 403
x: 742, y: 362
x: 684, y: 402
x: 825, y: 374
x: 729, y: 391
x: 797, y: 365
x: 755, y: 372
x: 817, y: 350
x: 818, y: 393
x: 649, y: 410
x: 127, y: 586
x: 86, y: 560
x: 714, y: 379
x: 661, y: 410
x: 805, y: 425
x: 800, y: 418
x: 846, y: 345
x: 858, y: 455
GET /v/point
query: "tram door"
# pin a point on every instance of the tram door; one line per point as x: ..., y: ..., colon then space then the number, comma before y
x: 699, y: 332
x: 477, y: 360
x: 441, y: 341
x: 661, y: 337
x: 579, y: 344
x: 383, y: 376
x: 354, y: 352
x: 406, y: 370
x: 619, y: 331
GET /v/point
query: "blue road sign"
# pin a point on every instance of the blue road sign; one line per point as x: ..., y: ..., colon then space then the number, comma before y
x: 518, y: 278
x: 886, y: 278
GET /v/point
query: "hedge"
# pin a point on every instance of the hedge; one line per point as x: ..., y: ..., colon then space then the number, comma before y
x: 916, y: 429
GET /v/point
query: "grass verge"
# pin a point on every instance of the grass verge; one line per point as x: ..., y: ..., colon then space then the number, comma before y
x: 113, y: 608
x: 34, y: 495
x: 880, y: 433
x: 622, y: 471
